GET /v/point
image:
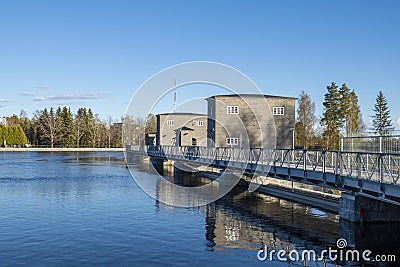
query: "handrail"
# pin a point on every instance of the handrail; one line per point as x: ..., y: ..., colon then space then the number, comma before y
x: 375, y: 166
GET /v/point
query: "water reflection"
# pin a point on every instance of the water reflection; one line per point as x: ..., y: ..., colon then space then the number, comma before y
x: 245, y: 220
x: 67, y: 209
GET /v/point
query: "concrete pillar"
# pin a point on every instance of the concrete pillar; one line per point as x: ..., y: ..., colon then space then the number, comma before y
x: 178, y: 175
x: 377, y: 237
x: 357, y: 208
x: 157, y: 165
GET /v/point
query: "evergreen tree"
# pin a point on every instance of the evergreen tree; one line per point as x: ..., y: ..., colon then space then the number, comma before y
x: 332, y: 118
x: 67, y: 128
x: 382, y: 121
x: 354, y: 121
x: 3, y: 134
x: 80, y: 126
x: 12, y: 136
x: 350, y: 111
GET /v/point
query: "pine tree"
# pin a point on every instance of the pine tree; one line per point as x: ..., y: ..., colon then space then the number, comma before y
x: 67, y: 128
x: 344, y: 94
x: 80, y: 126
x: 382, y: 121
x: 354, y: 121
x: 350, y: 111
x: 332, y: 118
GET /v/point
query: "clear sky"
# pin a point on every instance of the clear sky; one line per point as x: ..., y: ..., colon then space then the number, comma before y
x: 97, y: 53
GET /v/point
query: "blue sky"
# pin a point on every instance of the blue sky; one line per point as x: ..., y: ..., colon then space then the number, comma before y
x: 97, y: 53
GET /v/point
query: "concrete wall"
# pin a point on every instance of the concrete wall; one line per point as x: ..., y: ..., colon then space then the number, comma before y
x: 357, y: 208
x: 254, y: 125
x: 166, y: 134
x: 284, y: 124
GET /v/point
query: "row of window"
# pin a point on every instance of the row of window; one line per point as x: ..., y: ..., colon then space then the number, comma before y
x: 278, y: 111
x: 196, y: 123
x: 235, y: 110
x: 232, y: 109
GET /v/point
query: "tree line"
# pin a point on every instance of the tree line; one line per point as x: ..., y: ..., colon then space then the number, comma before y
x: 60, y: 127
x: 341, y: 116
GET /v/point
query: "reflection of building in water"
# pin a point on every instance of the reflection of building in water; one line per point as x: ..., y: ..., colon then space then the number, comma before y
x: 249, y: 220
x: 167, y: 190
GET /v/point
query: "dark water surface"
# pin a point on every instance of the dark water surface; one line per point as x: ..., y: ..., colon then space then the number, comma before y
x: 84, y: 209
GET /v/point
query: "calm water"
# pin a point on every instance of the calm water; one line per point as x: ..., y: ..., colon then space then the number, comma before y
x: 84, y: 209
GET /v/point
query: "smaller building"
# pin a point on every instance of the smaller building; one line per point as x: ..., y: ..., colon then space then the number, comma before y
x: 181, y: 129
x: 117, y: 130
x: 3, y: 121
x: 150, y: 139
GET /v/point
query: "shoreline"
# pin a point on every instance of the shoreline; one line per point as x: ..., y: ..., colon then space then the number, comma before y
x: 62, y: 149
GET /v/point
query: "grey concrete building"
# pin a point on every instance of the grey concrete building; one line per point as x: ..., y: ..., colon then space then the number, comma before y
x: 181, y: 129
x: 251, y: 120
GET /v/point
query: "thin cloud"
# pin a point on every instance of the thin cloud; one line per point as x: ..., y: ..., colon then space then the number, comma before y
x: 3, y: 100
x: 28, y: 93
x: 43, y: 87
x: 69, y: 96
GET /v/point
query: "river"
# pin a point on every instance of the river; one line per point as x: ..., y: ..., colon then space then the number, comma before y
x: 85, y: 209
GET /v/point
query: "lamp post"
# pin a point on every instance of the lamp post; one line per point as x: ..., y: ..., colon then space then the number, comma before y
x: 293, y: 141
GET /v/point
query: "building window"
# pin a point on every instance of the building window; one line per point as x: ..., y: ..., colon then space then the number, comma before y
x: 170, y: 122
x: 279, y: 111
x: 232, y: 141
x: 232, y: 109
x: 199, y: 123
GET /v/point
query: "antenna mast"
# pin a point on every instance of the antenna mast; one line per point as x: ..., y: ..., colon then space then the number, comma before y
x: 174, y: 96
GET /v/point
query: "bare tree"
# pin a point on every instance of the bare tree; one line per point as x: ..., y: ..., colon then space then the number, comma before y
x: 133, y: 130
x: 306, y: 119
x: 49, y: 126
x: 109, y: 131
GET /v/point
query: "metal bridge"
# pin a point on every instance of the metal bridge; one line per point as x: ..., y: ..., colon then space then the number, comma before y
x: 371, y: 174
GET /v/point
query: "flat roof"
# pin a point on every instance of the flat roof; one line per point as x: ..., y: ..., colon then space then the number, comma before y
x: 181, y: 113
x: 253, y: 95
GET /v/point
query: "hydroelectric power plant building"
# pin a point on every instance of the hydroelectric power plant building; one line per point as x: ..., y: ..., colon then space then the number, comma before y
x: 181, y: 129
x: 251, y: 120
x: 245, y: 120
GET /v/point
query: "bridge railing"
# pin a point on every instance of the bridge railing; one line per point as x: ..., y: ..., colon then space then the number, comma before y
x: 379, y: 167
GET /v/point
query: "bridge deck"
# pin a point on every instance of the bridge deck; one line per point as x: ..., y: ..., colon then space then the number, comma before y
x: 374, y: 174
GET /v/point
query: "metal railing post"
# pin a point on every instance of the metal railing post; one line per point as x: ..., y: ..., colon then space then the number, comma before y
x: 380, y: 168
